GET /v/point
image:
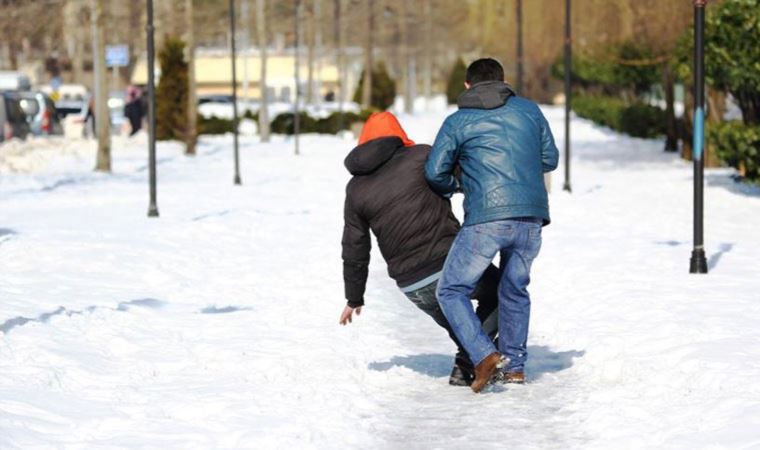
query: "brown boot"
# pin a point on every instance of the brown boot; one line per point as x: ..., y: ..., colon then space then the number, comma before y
x: 513, y: 378
x: 485, y: 371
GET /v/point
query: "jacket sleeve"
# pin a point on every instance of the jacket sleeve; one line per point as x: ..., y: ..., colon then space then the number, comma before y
x: 549, y: 152
x: 439, y: 168
x: 356, y: 250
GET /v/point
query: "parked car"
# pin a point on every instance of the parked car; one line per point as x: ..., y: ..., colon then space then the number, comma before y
x: 215, y: 98
x: 14, y: 81
x: 68, y: 98
x: 12, y: 117
x: 41, y: 114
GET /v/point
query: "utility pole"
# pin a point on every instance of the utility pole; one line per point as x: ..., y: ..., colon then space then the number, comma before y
x: 568, y: 92
x: 368, y: 61
x: 297, y: 63
x: 102, y: 117
x: 698, y: 263
x: 234, y: 93
x: 520, y: 54
x: 149, y: 30
x: 192, y: 101
x: 261, y: 32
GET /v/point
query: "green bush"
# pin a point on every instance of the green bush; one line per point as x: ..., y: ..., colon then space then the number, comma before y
x: 383, y: 88
x: 455, y: 84
x: 642, y: 120
x: 172, y: 92
x: 737, y: 145
x: 612, y: 71
x: 732, y: 55
x: 284, y: 123
x: 214, y: 125
x: 637, y: 119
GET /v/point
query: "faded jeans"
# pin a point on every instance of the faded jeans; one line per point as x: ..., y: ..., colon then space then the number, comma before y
x: 518, y: 242
x: 486, y: 294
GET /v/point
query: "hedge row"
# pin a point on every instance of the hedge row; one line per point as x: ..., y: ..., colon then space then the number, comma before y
x: 283, y: 123
x: 636, y: 119
x: 738, y: 145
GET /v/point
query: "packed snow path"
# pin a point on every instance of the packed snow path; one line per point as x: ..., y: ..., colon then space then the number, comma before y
x: 215, y: 326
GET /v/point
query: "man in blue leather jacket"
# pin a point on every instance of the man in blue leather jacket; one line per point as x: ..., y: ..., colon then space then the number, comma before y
x: 503, y: 145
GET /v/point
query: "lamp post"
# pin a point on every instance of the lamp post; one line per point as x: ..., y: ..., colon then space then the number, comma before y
x: 149, y: 29
x: 296, y: 63
x: 234, y: 93
x: 698, y: 263
x: 568, y: 93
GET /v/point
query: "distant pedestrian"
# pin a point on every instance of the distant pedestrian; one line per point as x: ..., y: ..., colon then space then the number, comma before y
x: 133, y: 109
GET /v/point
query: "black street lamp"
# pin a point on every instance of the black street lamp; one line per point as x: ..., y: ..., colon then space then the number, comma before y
x: 698, y: 263
x: 568, y: 93
x: 297, y: 76
x: 234, y: 93
x: 149, y: 29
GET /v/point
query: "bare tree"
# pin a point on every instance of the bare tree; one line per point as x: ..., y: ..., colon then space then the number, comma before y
x: 368, y: 50
x: 192, y: 114
x: 427, y: 70
x: 261, y: 33
x: 311, y: 27
x: 102, y: 119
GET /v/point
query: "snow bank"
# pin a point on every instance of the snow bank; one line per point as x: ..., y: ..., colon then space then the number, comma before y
x: 215, y: 326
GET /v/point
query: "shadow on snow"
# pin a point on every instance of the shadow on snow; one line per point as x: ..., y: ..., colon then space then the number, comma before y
x: 10, y: 324
x: 542, y: 360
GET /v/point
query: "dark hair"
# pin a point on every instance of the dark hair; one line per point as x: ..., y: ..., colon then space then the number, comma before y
x: 485, y: 69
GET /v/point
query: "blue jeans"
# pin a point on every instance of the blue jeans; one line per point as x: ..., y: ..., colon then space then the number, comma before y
x: 518, y: 242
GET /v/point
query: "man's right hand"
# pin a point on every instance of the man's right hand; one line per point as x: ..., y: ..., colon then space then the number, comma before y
x: 347, y: 314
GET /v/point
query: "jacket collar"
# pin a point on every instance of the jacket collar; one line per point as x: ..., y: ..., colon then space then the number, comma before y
x: 486, y: 95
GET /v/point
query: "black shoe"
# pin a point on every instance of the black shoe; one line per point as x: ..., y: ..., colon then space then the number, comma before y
x: 461, y: 375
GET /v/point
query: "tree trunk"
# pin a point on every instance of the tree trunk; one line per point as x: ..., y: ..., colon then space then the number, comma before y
x: 368, y: 62
x: 428, y: 61
x: 406, y: 58
x: 261, y: 34
x: 716, y: 109
x: 245, y: 17
x: 310, y: 38
x: 339, y: 45
x: 318, y: 52
x: 671, y: 131
x: 192, y: 112
x: 102, y: 119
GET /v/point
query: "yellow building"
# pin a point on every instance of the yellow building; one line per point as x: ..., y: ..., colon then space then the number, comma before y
x: 213, y: 74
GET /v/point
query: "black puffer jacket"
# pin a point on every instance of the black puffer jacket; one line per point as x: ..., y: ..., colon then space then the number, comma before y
x: 388, y: 194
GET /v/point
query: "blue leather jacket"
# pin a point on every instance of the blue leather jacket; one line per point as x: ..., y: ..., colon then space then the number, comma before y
x: 503, y: 145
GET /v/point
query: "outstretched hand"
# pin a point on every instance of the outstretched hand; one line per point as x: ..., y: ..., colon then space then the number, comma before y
x: 347, y: 314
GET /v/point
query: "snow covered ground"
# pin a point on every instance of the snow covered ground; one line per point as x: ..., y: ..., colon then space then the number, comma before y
x: 215, y: 326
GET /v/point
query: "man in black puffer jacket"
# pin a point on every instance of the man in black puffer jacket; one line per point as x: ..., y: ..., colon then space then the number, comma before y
x: 414, y: 228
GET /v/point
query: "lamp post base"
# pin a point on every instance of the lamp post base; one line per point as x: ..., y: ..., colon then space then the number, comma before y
x: 698, y: 261
x: 153, y: 211
x: 238, y: 182
x: 566, y: 187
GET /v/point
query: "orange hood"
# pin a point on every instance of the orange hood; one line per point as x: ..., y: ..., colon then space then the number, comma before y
x: 383, y: 124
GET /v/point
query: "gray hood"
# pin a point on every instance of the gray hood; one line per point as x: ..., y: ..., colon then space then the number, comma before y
x: 486, y: 95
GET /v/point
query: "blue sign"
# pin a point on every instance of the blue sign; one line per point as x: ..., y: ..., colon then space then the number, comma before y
x: 117, y: 55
